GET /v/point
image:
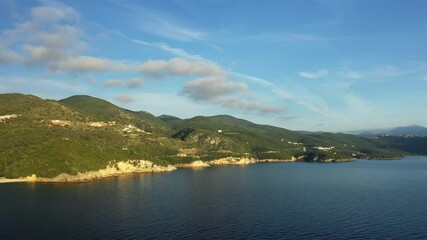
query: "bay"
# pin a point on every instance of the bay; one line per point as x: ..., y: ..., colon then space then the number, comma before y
x: 355, y: 200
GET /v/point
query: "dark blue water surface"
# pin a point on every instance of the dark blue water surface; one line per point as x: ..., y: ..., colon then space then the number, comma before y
x: 356, y: 200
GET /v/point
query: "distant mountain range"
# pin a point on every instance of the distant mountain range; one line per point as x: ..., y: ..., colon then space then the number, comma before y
x: 83, y: 133
x: 397, y: 131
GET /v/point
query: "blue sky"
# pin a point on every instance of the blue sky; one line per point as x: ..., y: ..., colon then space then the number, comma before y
x: 323, y: 65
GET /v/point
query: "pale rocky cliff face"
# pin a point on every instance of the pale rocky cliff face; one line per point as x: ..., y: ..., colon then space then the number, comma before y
x: 232, y: 161
x: 195, y: 164
x: 113, y: 169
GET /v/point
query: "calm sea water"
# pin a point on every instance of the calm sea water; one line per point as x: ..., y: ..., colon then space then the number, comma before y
x: 357, y: 200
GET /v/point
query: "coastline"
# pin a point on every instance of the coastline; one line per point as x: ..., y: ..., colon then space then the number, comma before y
x: 144, y: 166
x: 112, y: 169
x: 392, y: 158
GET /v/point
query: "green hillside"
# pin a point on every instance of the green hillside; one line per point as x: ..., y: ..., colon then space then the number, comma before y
x: 238, y: 137
x: 100, y: 110
x: 170, y: 120
x: 32, y: 143
x: 83, y: 133
x: 33, y: 108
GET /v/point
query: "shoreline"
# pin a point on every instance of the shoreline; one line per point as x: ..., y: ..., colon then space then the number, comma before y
x: 144, y: 166
x: 384, y: 159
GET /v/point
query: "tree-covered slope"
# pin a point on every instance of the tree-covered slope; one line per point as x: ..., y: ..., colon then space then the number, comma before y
x: 169, y: 120
x: 83, y: 133
x: 101, y: 110
x: 48, y: 137
x: 230, y: 136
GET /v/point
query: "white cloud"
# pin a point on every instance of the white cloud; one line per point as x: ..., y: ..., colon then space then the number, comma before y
x: 218, y: 90
x: 238, y: 103
x: 211, y: 88
x: 180, y: 67
x: 313, y: 75
x: 127, y: 83
x: 124, y: 99
x: 53, y: 13
x: 50, y: 38
x: 217, y: 73
x: 7, y: 56
x: 90, y: 64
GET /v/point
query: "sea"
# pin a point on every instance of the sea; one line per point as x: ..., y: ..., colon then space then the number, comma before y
x: 364, y: 199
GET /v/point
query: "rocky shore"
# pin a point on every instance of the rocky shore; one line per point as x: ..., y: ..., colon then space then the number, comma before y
x: 113, y: 169
x: 232, y: 161
x: 195, y: 164
x: 339, y: 160
x: 275, y: 160
x: 144, y: 166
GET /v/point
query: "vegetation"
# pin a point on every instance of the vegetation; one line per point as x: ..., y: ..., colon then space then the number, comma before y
x: 83, y: 133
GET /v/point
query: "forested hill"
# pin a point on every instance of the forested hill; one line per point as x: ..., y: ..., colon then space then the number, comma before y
x: 83, y: 133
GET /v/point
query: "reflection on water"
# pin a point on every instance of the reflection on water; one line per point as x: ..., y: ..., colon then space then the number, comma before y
x: 363, y: 199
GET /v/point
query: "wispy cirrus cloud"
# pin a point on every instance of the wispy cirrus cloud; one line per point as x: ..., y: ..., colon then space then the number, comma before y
x: 386, y: 71
x: 161, y: 24
x: 314, y: 75
x: 285, y: 37
x: 167, y: 48
x: 257, y: 80
x: 305, y: 98
x: 165, y: 28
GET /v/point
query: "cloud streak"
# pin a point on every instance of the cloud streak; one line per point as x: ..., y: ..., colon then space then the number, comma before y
x: 303, y: 98
x: 159, y: 24
x: 285, y: 37
x: 164, y: 28
x: 314, y: 75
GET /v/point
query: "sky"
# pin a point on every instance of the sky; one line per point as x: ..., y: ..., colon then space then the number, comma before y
x: 316, y: 65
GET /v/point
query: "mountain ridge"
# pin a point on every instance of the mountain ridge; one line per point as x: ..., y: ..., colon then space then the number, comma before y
x: 412, y: 129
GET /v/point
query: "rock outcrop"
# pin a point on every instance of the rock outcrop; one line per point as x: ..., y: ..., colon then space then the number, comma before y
x: 276, y: 160
x: 112, y: 169
x: 232, y: 161
x: 195, y: 164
